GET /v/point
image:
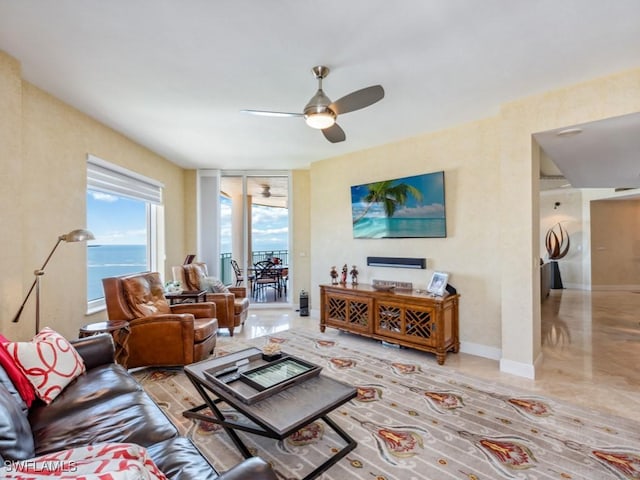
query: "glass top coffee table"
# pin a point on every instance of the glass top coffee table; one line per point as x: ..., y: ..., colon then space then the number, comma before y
x: 276, y: 416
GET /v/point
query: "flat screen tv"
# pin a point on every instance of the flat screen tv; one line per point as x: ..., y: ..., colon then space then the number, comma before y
x: 409, y: 207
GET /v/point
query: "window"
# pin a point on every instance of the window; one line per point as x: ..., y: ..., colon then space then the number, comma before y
x: 122, y: 212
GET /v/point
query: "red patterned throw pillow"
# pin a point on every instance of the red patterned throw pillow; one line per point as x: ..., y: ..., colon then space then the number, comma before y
x: 20, y: 382
x: 104, y: 461
x: 48, y: 361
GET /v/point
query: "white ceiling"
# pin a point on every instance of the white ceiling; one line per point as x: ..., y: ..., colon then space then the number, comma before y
x: 605, y: 153
x: 174, y: 74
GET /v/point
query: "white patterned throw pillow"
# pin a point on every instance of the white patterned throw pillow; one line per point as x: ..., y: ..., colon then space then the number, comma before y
x: 103, y: 461
x: 48, y: 361
x: 214, y: 285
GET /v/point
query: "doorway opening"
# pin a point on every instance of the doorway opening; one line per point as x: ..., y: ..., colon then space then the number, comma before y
x: 254, y: 234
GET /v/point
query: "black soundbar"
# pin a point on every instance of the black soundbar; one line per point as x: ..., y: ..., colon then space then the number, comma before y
x: 397, y: 262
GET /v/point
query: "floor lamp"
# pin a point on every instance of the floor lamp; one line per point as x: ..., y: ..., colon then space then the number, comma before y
x: 73, y: 236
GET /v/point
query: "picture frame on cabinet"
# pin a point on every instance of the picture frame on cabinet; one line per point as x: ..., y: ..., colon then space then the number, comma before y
x: 438, y: 284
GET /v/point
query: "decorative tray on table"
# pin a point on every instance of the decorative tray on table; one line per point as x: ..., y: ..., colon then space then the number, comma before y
x: 252, y: 378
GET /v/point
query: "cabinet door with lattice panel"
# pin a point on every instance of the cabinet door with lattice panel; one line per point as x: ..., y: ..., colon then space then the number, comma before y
x: 349, y: 312
x: 411, y: 323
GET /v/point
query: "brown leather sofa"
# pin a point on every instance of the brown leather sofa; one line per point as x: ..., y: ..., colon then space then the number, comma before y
x: 105, y: 404
x: 232, y: 304
x: 161, y: 334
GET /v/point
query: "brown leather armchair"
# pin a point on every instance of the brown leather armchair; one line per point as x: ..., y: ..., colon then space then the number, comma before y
x: 161, y: 334
x: 232, y: 304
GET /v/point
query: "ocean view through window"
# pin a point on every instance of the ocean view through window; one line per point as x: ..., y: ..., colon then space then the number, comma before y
x: 123, y: 211
x: 120, y: 247
x: 110, y: 261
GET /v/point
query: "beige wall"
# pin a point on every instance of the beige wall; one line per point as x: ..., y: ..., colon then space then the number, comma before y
x: 469, y: 156
x: 44, y: 185
x: 615, y: 244
x: 493, y: 245
x: 11, y: 245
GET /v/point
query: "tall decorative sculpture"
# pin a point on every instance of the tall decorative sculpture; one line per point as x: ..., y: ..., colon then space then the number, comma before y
x: 557, y: 243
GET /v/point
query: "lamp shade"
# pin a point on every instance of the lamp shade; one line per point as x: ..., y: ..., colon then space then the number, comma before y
x: 79, y: 235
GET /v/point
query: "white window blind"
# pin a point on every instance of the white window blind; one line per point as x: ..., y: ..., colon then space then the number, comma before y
x: 109, y: 178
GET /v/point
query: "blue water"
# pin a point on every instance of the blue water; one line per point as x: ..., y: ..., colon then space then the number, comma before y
x: 400, y: 228
x: 112, y: 260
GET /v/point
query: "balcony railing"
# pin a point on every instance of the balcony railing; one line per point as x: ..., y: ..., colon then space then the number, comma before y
x: 226, y: 271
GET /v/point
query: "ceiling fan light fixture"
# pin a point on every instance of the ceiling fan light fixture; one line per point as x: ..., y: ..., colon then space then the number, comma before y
x: 321, y: 120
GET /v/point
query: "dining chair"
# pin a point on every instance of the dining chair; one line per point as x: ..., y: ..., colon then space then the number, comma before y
x: 239, y: 275
x: 284, y: 279
x: 266, y: 276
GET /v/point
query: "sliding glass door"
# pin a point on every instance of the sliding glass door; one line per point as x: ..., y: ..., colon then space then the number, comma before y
x: 254, y: 226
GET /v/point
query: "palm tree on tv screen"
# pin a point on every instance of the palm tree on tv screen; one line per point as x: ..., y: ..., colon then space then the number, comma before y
x: 390, y: 196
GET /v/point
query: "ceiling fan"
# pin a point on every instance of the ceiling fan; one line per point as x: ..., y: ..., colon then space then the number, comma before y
x: 321, y: 113
x: 266, y: 192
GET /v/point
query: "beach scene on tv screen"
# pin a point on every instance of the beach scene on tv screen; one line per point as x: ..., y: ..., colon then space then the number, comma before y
x: 409, y: 207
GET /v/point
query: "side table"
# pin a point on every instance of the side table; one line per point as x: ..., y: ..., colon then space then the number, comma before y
x: 186, y: 296
x: 119, y: 330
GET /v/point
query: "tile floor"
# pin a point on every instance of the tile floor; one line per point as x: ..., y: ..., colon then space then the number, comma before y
x: 591, y: 349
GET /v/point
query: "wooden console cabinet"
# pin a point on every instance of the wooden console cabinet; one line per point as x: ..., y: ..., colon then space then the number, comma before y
x: 404, y: 317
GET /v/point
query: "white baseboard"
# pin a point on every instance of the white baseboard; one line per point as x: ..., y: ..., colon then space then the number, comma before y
x: 520, y: 369
x: 480, y: 350
x: 507, y: 366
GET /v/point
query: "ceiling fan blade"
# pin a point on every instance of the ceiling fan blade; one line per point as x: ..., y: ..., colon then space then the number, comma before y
x: 265, y: 113
x: 358, y: 99
x: 334, y: 134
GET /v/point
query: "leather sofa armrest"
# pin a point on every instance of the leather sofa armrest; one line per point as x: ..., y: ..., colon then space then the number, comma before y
x: 220, y: 297
x: 254, y: 468
x: 175, y: 317
x: 148, y: 340
x: 239, y: 292
x: 198, y: 310
x: 224, y: 307
x: 95, y: 350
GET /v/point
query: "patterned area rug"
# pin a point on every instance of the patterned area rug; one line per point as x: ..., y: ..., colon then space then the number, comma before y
x: 413, y: 419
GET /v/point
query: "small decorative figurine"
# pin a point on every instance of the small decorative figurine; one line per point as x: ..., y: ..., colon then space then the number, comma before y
x: 354, y: 275
x: 334, y: 275
x: 343, y: 279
